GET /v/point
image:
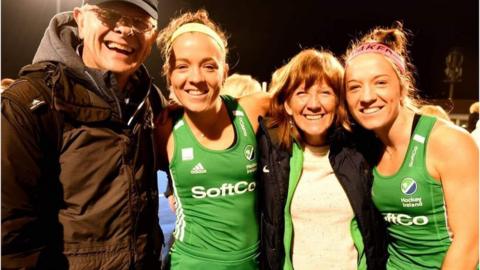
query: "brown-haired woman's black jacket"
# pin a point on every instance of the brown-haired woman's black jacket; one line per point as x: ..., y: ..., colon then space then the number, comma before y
x: 354, y: 174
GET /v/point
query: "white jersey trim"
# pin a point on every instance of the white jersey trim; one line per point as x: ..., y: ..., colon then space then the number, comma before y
x: 180, y: 223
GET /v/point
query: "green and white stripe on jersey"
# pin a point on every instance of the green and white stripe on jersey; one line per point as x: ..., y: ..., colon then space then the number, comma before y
x: 412, y: 202
x: 215, y: 192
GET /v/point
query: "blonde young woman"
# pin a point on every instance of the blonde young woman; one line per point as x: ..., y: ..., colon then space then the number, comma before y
x: 210, y: 148
x: 426, y: 177
x: 316, y: 205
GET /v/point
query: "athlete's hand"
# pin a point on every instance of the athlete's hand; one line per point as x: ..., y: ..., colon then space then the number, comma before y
x: 172, y: 203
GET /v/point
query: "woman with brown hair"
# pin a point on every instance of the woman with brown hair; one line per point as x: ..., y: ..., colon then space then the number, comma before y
x: 317, y: 211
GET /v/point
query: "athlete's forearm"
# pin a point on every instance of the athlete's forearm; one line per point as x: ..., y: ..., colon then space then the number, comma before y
x: 461, y: 255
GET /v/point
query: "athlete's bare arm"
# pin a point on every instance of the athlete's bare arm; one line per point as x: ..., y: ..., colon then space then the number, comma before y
x: 255, y: 105
x: 452, y: 157
x: 164, y: 144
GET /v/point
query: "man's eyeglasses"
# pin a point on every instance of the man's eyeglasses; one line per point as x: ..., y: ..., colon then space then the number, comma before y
x: 110, y: 18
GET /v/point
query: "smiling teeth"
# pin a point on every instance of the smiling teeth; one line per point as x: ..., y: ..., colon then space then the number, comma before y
x: 195, y: 92
x: 313, y: 117
x: 371, y: 110
x: 113, y: 45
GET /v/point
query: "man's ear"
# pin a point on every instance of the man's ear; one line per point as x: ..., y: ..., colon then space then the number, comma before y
x: 79, y: 17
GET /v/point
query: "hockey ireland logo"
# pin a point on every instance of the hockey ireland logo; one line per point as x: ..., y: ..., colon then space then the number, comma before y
x: 249, y: 152
x: 408, y: 186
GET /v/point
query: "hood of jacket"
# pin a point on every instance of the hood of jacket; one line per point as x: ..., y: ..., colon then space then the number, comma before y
x: 59, y: 44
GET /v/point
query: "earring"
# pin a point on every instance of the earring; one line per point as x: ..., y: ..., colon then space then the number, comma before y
x: 290, y: 122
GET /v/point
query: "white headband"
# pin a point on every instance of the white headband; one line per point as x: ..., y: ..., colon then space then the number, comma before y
x: 198, y: 27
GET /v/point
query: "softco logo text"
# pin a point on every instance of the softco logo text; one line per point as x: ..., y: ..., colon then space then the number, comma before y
x: 405, y: 220
x: 226, y: 189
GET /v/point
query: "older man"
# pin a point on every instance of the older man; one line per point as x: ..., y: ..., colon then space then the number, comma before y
x: 78, y: 175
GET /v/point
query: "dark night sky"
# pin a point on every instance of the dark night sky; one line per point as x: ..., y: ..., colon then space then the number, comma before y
x: 265, y: 34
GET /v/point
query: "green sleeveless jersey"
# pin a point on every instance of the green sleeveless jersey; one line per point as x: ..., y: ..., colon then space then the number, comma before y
x: 215, y: 192
x: 413, y: 206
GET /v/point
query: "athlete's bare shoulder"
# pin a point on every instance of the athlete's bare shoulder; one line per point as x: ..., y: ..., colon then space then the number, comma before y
x: 449, y: 146
x: 163, y: 133
x: 255, y: 105
x: 447, y: 134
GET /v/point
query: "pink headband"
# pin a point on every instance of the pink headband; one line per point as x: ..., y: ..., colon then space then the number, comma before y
x: 375, y: 47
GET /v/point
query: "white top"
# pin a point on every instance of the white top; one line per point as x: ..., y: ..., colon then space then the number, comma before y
x: 321, y: 215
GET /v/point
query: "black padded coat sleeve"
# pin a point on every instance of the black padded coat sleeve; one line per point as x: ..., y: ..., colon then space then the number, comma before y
x: 22, y: 241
